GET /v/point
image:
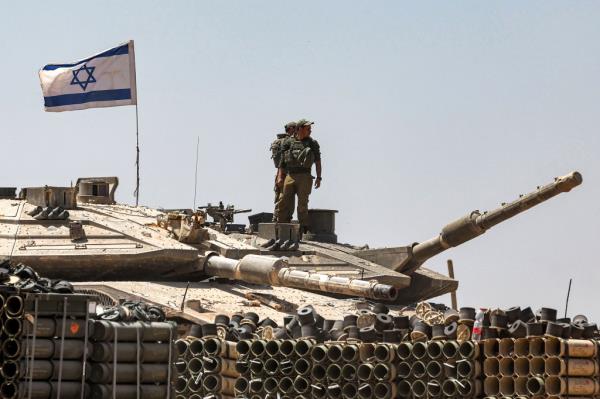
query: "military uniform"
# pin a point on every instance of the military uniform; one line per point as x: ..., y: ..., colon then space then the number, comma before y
x: 297, y: 160
x: 276, y: 156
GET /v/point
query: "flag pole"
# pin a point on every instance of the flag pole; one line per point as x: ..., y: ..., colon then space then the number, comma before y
x: 137, y: 157
x: 133, y: 72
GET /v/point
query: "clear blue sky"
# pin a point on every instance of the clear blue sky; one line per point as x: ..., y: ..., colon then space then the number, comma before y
x: 424, y: 111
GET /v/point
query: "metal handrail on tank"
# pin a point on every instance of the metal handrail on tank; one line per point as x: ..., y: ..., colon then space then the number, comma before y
x: 259, y: 269
x: 476, y: 223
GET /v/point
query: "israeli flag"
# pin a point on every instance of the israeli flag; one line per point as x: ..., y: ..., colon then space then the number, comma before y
x: 106, y: 79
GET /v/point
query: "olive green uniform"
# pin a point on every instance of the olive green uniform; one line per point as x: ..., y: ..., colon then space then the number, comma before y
x: 276, y: 155
x: 298, y: 158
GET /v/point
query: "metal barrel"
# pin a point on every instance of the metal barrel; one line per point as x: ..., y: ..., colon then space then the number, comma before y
x: 350, y: 353
x: 45, y: 327
x: 318, y: 391
x: 350, y: 390
x: 49, y: 328
x: 241, y: 386
x: 384, y: 371
x: 271, y: 385
x: 102, y: 373
x: 12, y: 326
x: 11, y: 348
x: 13, y: 306
x: 182, y: 346
x: 272, y: 347
x: 257, y: 367
x: 181, y: 384
x: 128, y: 332
x: 222, y: 366
x: 255, y: 385
x: 318, y: 372
x: 181, y: 365
x: 2, y: 302
x: 9, y: 390
x: 47, y: 369
x: 258, y: 347
x: 303, y: 347
x: 301, y: 385
x: 47, y: 390
x: 196, y: 347
x: 10, y: 369
x: 302, y: 366
x: 334, y: 372
x: 150, y: 352
x: 44, y: 348
x: 147, y: 391
x: 259, y: 269
x: 218, y: 347
x: 349, y: 372
x: 476, y: 223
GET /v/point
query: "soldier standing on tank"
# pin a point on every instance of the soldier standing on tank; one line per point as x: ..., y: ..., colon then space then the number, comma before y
x: 276, y: 155
x: 294, y: 176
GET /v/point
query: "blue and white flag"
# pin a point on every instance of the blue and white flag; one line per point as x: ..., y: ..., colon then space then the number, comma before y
x: 106, y: 79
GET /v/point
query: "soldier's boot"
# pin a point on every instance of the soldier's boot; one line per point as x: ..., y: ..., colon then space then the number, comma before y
x: 35, y: 211
x: 64, y: 215
x: 43, y: 215
x: 294, y: 246
x: 55, y: 212
x: 268, y: 243
x: 286, y: 245
x: 276, y: 245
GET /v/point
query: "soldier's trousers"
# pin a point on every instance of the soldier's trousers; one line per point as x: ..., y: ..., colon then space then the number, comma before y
x: 299, y: 184
x: 277, y: 191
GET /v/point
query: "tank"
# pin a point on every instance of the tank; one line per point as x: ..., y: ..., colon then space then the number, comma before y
x: 101, y: 240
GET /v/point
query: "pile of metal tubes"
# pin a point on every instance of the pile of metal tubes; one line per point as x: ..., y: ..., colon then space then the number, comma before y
x: 306, y: 369
x: 541, y: 367
x: 53, y: 348
x: 131, y: 359
x: 206, y: 367
x: 43, y: 357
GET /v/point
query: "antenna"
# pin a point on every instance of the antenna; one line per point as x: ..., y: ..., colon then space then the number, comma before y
x: 568, y: 294
x: 196, y: 173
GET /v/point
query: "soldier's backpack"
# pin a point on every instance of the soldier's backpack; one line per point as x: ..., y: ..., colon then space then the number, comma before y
x: 277, y: 149
x: 298, y: 155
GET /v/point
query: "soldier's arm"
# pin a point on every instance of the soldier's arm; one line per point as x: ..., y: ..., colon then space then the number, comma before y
x: 280, y: 177
x: 318, y: 179
x: 280, y: 173
x: 316, y: 148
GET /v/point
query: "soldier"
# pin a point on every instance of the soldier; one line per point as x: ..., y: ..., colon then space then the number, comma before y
x: 276, y: 154
x: 294, y: 174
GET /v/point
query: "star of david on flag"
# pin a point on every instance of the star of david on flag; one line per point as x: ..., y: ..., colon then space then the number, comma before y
x: 106, y: 79
x: 89, y: 79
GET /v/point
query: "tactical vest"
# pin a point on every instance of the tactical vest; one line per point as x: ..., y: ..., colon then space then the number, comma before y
x: 298, y: 155
x: 277, y: 149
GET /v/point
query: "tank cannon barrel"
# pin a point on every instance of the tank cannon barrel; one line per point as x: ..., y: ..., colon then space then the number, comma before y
x: 258, y: 269
x: 476, y: 223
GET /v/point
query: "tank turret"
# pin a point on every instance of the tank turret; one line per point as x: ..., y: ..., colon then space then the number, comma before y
x: 475, y: 223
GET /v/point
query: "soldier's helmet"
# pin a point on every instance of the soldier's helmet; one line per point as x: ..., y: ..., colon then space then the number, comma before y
x: 304, y: 122
x: 290, y: 127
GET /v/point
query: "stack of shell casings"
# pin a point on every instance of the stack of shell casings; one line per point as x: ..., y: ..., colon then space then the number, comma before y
x: 131, y: 358
x: 439, y: 368
x: 11, y: 309
x: 304, y: 368
x: 42, y: 357
x: 541, y: 367
x: 205, y: 367
x: 276, y: 368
